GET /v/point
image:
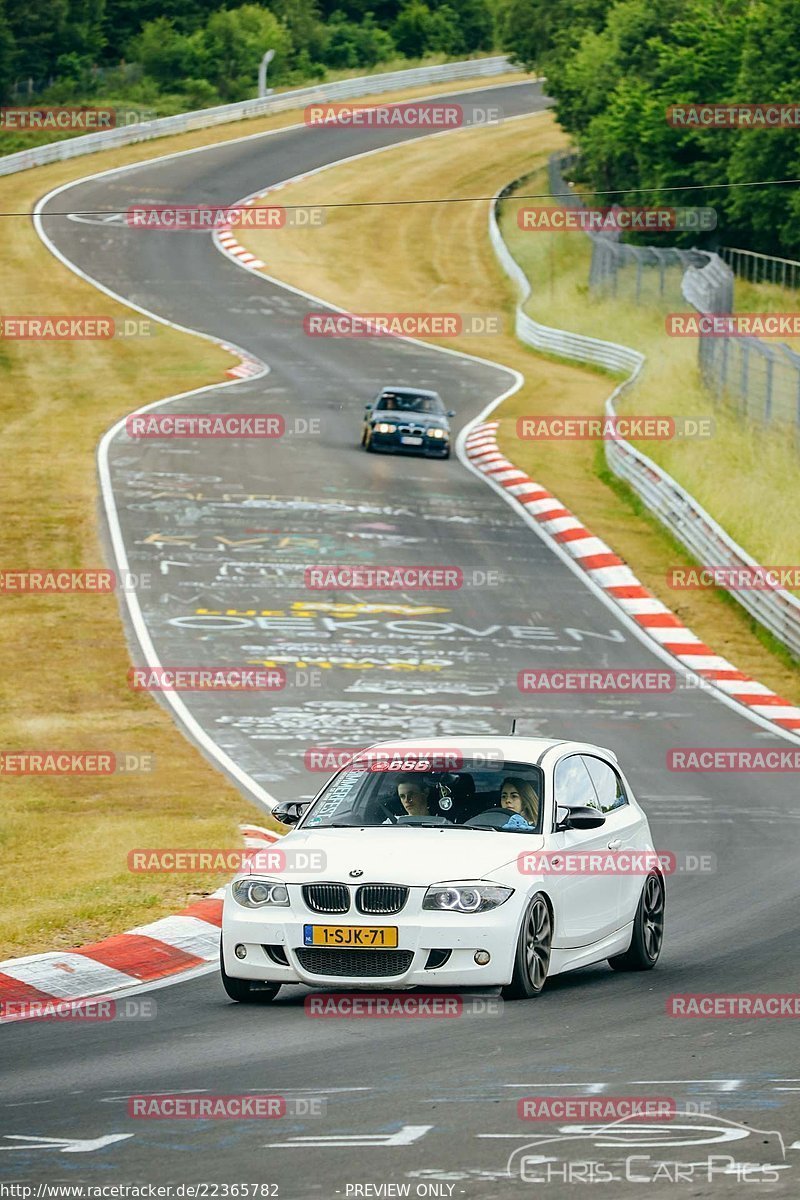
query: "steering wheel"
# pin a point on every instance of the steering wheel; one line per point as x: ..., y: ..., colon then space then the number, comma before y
x: 491, y: 818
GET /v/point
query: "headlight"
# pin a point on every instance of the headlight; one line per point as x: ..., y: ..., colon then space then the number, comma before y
x: 465, y: 897
x: 259, y: 893
x: 385, y: 427
x: 438, y: 433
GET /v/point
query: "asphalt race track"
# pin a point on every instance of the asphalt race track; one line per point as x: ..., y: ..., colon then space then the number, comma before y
x: 224, y: 530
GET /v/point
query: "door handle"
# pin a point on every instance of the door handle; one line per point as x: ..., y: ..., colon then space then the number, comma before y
x: 615, y: 843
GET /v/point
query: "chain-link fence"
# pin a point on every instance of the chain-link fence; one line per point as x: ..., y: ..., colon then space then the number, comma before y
x: 777, y: 610
x: 641, y: 273
x: 758, y: 380
x: 761, y: 382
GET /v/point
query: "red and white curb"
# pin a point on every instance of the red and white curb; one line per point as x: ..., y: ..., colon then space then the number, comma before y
x: 248, y: 368
x: 225, y: 238
x: 236, y: 249
x: 166, y: 948
x: 231, y: 246
x: 609, y: 572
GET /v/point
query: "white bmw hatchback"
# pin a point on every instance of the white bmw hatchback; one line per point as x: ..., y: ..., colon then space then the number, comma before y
x: 480, y: 863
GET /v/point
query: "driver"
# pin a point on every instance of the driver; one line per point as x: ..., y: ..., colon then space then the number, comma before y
x: 519, y: 798
x: 415, y: 795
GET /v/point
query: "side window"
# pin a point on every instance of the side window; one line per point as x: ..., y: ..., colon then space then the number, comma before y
x: 607, y: 783
x: 573, y: 787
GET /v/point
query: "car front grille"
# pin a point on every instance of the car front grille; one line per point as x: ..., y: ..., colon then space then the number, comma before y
x: 381, y: 898
x: 412, y: 430
x: 327, y: 897
x: 357, y: 964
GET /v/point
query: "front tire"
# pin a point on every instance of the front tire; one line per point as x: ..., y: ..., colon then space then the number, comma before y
x: 532, y: 958
x: 648, y: 929
x: 246, y: 991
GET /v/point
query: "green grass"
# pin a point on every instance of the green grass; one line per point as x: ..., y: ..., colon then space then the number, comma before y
x: 747, y: 476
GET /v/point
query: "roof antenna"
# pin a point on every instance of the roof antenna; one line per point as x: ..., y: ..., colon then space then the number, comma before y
x: 513, y: 726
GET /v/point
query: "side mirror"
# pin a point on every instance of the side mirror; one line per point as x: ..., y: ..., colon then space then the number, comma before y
x: 290, y: 812
x: 579, y: 817
x: 367, y: 407
x: 451, y: 412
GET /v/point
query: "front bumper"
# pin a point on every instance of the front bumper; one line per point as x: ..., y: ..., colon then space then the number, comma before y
x: 430, y: 447
x: 419, y: 933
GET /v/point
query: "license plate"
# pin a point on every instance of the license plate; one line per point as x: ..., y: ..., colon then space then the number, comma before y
x: 411, y: 441
x: 350, y: 936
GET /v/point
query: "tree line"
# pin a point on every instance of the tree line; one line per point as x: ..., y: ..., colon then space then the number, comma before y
x: 206, y: 52
x: 613, y: 68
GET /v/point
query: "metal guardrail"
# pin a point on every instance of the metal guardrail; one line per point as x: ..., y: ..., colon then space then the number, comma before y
x: 611, y: 355
x: 707, y: 284
x: 777, y: 610
x: 343, y: 89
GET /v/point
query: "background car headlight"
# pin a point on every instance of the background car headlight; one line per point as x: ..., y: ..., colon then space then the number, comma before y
x: 385, y: 427
x: 259, y: 893
x: 437, y: 433
x: 465, y: 897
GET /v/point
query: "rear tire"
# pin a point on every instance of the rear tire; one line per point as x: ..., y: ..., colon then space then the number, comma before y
x: 247, y: 991
x: 647, y: 937
x: 532, y: 959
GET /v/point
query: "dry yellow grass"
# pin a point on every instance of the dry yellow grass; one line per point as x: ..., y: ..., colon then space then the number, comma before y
x: 63, y: 659
x: 423, y: 257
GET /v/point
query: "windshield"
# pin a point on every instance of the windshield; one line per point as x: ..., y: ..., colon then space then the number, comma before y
x: 502, y: 796
x: 407, y: 402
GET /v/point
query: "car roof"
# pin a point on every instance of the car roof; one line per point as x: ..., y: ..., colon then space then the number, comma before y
x: 407, y: 389
x: 512, y: 747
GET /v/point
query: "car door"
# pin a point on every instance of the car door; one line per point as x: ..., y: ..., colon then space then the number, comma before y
x: 589, y: 905
x: 625, y: 827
